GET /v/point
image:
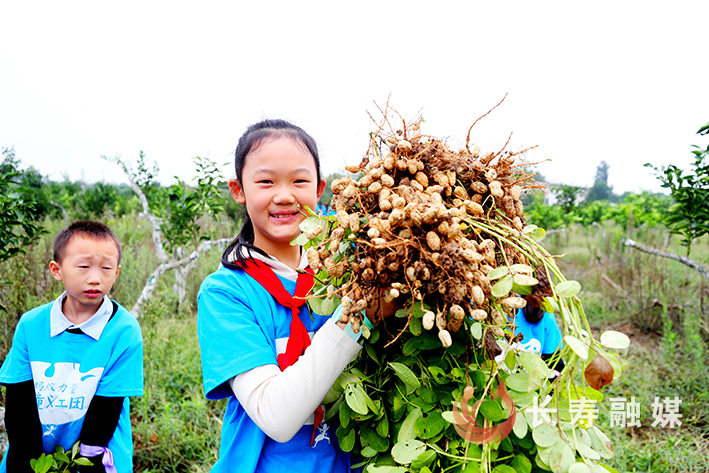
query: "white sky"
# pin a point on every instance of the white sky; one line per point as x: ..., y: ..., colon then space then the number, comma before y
x: 622, y: 81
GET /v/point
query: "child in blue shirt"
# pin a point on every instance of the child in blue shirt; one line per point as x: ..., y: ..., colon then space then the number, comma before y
x: 260, y: 347
x: 540, y: 330
x: 75, y: 361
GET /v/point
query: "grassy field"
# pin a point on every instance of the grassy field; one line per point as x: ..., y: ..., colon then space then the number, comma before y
x: 660, y: 304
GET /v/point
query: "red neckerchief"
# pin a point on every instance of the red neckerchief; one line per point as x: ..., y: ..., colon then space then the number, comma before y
x: 299, y: 339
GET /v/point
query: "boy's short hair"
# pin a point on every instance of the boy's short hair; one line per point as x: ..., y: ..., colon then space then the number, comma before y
x: 87, y: 228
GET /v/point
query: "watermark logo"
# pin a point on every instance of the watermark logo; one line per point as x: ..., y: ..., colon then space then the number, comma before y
x: 467, y: 426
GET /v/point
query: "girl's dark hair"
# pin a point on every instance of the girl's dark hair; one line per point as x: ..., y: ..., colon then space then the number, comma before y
x: 252, y: 138
x: 533, y: 314
x: 85, y: 228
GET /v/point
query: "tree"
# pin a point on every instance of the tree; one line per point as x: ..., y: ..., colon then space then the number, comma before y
x: 689, y: 215
x: 567, y: 197
x: 98, y: 199
x: 18, y: 228
x: 600, y: 189
x: 174, y: 214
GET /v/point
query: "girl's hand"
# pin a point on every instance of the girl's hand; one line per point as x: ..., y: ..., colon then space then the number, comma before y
x: 380, y: 309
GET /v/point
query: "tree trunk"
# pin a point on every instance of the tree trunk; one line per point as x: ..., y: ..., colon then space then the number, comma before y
x: 152, y: 219
x: 188, y: 262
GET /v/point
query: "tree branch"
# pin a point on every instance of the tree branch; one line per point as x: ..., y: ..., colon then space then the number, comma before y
x: 666, y: 254
x: 152, y: 281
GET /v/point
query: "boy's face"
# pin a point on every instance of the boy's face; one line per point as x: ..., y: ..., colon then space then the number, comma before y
x: 88, y: 269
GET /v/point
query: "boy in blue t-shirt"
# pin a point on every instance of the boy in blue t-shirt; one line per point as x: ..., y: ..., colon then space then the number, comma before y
x: 75, y: 361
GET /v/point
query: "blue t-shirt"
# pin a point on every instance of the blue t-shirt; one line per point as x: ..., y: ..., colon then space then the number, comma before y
x: 68, y: 369
x: 241, y: 326
x: 543, y: 337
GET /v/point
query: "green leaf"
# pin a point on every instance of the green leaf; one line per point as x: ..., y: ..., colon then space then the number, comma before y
x: 405, y: 374
x: 351, y: 376
x: 371, y: 437
x: 61, y: 456
x: 408, y: 450
x: 534, y: 364
x: 579, y: 467
x: 502, y: 287
x: 545, y: 435
x: 308, y: 223
x: 356, y: 398
x: 601, y: 443
x: 429, y: 425
x: 580, y: 348
x: 568, y: 288
x: 522, y: 268
x: 416, y: 326
x: 518, y: 382
x: 524, y: 280
x: 328, y: 306
x: 346, y: 438
x: 491, y: 410
x: 521, y: 290
x: 439, y: 374
x: 82, y: 461
x: 476, y: 330
x: 371, y: 351
x: 42, y: 464
x: 315, y: 304
x: 536, y: 233
x: 386, y: 469
x: 520, y: 426
x: 521, y: 464
x: 511, y: 360
x: 402, y: 313
x: 345, y: 415
x: 521, y: 400
x: 472, y: 467
x: 613, y: 339
x: 449, y: 416
x: 561, y: 456
x: 383, y: 425
x: 587, y: 451
x: 368, y: 452
x: 423, y: 461
x: 407, y: 427
x: 300, y: 240
x: 498, y: 272
x: 503, y: 469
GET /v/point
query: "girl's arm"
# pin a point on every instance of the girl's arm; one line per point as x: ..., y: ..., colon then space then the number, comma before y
x: 280, y: 402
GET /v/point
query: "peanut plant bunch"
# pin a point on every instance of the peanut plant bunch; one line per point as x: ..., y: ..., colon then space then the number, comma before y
x: 442, y: 232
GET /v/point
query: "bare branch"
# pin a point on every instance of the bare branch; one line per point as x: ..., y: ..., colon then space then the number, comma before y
x: 667, y: 254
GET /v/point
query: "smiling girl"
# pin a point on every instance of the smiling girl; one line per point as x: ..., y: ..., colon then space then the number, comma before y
x: 260, y: 347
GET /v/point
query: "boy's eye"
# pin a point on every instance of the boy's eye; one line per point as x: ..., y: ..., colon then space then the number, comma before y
x: 83, y: 266
x: 108, y: 268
